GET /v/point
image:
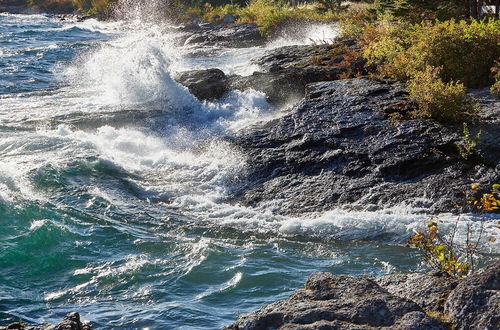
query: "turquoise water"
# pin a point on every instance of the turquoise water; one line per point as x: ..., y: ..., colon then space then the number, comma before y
x: 112, y: 187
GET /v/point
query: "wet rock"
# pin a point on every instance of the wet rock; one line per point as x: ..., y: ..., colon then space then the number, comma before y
x: 306, y: 55
x: 70, y: 322
x: 339, y: 302
x: 284, y: 73
x: 287, y: 70
x: 208, y: 84
x: 391, y: 302
x: 475, y: 303
x: 488, y: 123
x: 338, y: 148
x: 222, y: 35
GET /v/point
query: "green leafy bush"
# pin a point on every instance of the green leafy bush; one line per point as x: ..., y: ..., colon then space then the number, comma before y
x: 417, y: 10
x: 65, y: 6
x: 468, y: 144
x: 101, y: 6
x: 438, y: 252
x: 465, y: 52
x: 268, y: 14
x: 439, y: 100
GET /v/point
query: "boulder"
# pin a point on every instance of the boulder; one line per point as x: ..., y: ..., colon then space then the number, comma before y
x: 475, y: 302
x: 397, y: 301
x: 284, y: 74
x: 429, y: 292
x: 339, y: 302
x: 339, y: 148
x: 228, y: 19
x: 207, y: 84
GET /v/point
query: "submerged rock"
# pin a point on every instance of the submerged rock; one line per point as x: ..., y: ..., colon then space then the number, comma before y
x: 339, y: 148
x: 392, y: 302
x: 70, y: 322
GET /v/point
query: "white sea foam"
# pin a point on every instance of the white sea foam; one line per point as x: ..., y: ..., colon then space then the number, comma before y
x: 314, y: 33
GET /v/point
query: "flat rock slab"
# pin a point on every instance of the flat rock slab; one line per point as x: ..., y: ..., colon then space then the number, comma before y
x: 338, y: 148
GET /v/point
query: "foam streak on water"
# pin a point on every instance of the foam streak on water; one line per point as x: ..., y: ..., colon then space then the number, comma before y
x: 114, y: 181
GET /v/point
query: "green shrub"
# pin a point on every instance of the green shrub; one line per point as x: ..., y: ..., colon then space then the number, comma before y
x: 464, y: 51
x: 65, y: 6
x: 354, y: 20
x: 439, y: 100
x: 438, y: 252
x: 216, y: 14
x: 418, y: 10
x: 101, y: 6
x: 268, y: 14
x: 467, y: 145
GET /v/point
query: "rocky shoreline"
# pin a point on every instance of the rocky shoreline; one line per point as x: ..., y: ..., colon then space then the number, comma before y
x: 61, y: 15
x: 337, y: 146
x: 70, y: 322
x: 398, y: 301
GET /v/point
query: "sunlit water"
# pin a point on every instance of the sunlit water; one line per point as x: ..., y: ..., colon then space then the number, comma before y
x: 113, y: 179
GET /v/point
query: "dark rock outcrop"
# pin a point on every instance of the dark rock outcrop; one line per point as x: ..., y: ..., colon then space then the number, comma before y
x: 208, y: 84
x: 284, y: 74
x: 391, y: 302
x: 287, y: 70
x: 338, y: 148
x: 70, y: 322
x: 339, y: 302
x: 488, y: 123
x: 221, y: 35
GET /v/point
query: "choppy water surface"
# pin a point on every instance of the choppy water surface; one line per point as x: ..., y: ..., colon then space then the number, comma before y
x: 112, y: 186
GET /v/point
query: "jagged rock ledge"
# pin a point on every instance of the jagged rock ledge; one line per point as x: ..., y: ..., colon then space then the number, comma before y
x: 411, y: 301
x: 220, y: 35
x: 339, y: 147
x: 283, y: 72
x: 70, y: 322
